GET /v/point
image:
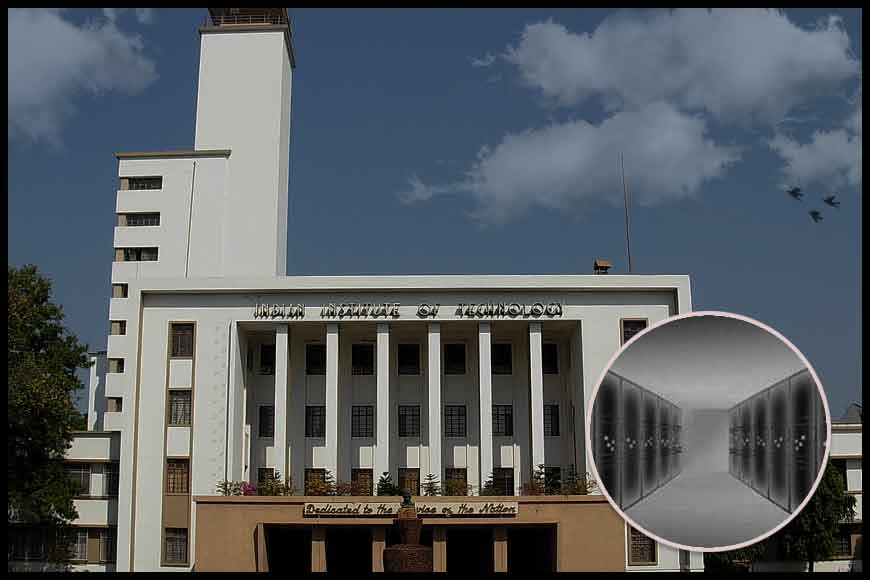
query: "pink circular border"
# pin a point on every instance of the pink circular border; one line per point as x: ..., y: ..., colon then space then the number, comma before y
x: 699, y: 314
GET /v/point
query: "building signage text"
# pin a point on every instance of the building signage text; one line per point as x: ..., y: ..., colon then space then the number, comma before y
x: 424, y: 509
x: 424, y: 310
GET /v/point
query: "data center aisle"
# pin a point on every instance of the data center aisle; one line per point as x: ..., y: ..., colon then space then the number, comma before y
x: 683, y: 511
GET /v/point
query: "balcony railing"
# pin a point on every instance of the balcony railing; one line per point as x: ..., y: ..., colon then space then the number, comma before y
x: 274, y: 18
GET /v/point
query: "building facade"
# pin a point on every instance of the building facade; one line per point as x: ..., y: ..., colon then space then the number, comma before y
x: 220, y: 367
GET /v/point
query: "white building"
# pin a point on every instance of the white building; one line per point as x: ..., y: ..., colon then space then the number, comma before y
x: 219, y: 366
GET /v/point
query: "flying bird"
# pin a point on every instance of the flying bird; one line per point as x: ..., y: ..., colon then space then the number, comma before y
x: 795, y: 192
x: 816, y: 215
x: 831, y: 200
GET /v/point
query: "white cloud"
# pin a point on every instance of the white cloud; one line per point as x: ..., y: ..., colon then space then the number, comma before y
x: 568, y: 166
x: 484, y: 62
x: 830, y: 158
x: 96, y: 57
x: 145, y: 15
x: 738, y: 64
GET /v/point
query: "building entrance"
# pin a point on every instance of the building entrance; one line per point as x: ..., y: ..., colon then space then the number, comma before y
x: 288, y: 548
x: 470, y: 550
x: 531, y: 549
x: 348, y: 549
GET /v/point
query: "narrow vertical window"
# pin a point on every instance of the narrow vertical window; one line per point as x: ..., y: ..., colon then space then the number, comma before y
x: 180, y: 407
x: 267, y: 359
x: 177, y: 476
x: 550, y: 358
x: 267, y: 421
x: 315, y: 359
x: 502, y: 358
x: 551, y: 420
x: 112, y: 475
x: 182, y: 341
x: 502, y: 420
x: 175, y: 546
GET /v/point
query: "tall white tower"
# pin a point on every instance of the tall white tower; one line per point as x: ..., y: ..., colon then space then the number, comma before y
x: 243, y: 105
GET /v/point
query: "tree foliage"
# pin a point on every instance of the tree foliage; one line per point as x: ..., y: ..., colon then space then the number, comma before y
x: 386, y: 485
x: 431, y: 486
x: 42, y: 359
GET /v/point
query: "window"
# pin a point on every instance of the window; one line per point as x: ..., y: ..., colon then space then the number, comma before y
x: 409, y: 359
x: 409, y: 478
x: 116, y: 365
x: 177, y: 475
x: 842, y: 545
x: 114, y: 404
x: 550, y: 358
x: 139, y: 219
x: 182, y: 341
x: 265, y: 473
x: 363, y: 359
x: 552, y: 478
x: 315, y: 421
x: 111, y: 477
x: 503, y: 480
x: 315, y: 359
x: 118, y: 327
x: 80, y: 474
x: 361, y: 482
x: 142, y: 182
x: 409, y: 420
x: 267, y: 359
x: 551, y: 420
x: 77, y: 539
x: 502, y: 358
x: 249, y: 359
x: 108, y: 544
x: 362, y: 421
x: 135, y: 254
x: 454, y: 420
x: 175, y: 546
x: 456, y: 481
x: 454, y: 359
x: 119, y: 290
x: 641, y: 549
x: 502, y: 420
x: 312, y: 478
x: 630, y: 327
x: 267, y: 421
x: 26, y: 543
x: 179, y: 407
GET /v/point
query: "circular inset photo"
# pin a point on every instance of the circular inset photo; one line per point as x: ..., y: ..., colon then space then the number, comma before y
x: 709, y: 431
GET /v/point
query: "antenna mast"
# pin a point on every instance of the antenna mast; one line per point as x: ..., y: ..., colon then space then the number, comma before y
x: 627, y: 223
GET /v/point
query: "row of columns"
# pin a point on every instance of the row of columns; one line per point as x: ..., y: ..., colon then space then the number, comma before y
x: 383, y: 429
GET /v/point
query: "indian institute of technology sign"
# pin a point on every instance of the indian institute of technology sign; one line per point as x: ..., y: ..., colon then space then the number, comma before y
x: 433, y: 509
x: 390, y: 310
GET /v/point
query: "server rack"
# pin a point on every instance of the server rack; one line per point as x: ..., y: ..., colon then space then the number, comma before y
x: 778, y: 440
x: 636, y: 438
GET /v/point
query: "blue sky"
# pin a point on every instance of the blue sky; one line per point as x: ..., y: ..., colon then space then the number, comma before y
x: 485, y: 141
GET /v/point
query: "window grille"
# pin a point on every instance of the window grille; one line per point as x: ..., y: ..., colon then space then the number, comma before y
x: 315, y: 421
x: 362, y: 421
x: 502, y: 420
x: 177, y: 476
x: 409, y: 421
x: 454, y: 420
x: 180, y: 407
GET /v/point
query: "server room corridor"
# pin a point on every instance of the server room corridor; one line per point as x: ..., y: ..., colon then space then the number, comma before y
x: 709, y: 439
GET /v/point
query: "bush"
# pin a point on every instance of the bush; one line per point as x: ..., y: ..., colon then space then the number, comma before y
x: 386, y: 485
x: 323, y: 486
x: 431, y: 487
x: 455, y: 487
x: 271, y: 485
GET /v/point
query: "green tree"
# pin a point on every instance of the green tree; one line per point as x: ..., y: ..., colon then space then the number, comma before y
x: 42, y: 359
x: 431, y: 486
x: 807, y: 538
x: 386, y: 485
x: 810, y: 536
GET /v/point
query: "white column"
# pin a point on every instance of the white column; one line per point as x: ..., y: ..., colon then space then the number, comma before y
x: 485, y: 397
x: 332, y: 398
x: 536, y: 400
x: 282, y: 380
x: 435, y: 400
x: 382, y: 426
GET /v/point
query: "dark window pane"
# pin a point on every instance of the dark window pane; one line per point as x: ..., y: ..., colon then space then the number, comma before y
x: 454, y: 420
x: 409, y: 359
x: 363, y: 359
x: 502, y: 420
x: 80, y: 474
x: 502, y: 358
x: 108, y: 544
x: 179, y: 407
x: 551, y: 420
x: 409, y: 478
x: 454, y: 359
x: 267, y: 421
x: 409, y: 421
x: 267, y: 359
x: 145, y: 182
x: 264, y: 473
x: 550, y: 358
x: 141, y: 219
x: 315, y: 359
x: 177, y: 476
x: 631, y: 327
x: 182, y: 340
x: 175, y: 546
x: 315, y: 421
x: 362, y: 421
x: 503, y: 480
x: 111, y: 474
